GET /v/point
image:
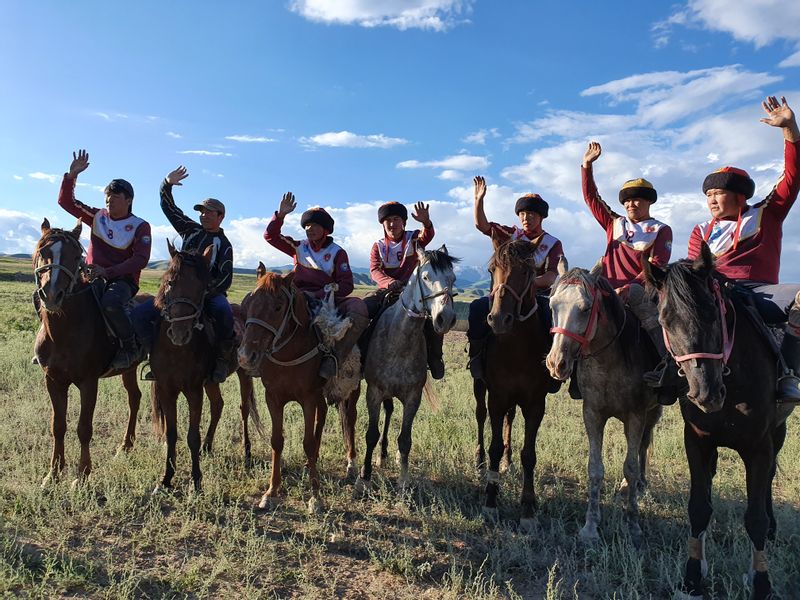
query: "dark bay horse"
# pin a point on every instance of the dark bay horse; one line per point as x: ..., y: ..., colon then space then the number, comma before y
x: 592, y: 327
x: 280, y: 343
x: 731, y: 371
x: 73, y: 345
x: 515, y: 374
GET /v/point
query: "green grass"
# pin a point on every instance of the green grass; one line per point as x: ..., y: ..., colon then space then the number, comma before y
x: 110, y: 538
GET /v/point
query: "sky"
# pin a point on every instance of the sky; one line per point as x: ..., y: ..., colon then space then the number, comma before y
x: 352, y: 103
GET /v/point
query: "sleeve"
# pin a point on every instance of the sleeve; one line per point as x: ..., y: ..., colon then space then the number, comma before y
x: 225, y: 267
x: 175, y: 215
x: 695, y: 243
x: 425, y: 236
x: 274, y: 237
x: 782, y: 197
x: 662, y: 247
x: 376, y: 271
x: 342, y: 274
x: 556, y: 252
x: 502, y: 232
x: 600, y: 210
x: 67, y: 201
x: 141, y: 254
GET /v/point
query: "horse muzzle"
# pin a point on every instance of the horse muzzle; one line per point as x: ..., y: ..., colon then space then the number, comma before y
x: 248, y: 359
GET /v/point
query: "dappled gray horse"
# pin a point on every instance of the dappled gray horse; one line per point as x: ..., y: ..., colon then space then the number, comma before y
x: 396, y: 364
x: 592, y: 326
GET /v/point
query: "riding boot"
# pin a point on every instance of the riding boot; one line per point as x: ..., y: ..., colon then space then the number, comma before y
x: 127, y: 354
x: 433, y: 345
x: 477, y: 347
x: 223, y: 360
x: 788, y: 386
x: 329, y: 366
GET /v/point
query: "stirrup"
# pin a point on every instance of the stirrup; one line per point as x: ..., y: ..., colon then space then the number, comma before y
x: 325, y: 366
x: 787, y: 389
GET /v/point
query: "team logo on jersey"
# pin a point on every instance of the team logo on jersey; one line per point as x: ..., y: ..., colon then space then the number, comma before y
x: 345, y: 267
x: 543, y: 247
x: 327, y: 257
x: 128, y: 227
x: 399, y: 255
x: 146, y: 239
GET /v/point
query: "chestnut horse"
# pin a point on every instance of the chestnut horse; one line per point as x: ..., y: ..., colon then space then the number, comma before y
x: 515, y: 374
x: 73, y: 345
x: 731, y: 370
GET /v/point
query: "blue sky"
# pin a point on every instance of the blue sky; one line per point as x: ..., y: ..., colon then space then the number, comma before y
x: 351, y: 103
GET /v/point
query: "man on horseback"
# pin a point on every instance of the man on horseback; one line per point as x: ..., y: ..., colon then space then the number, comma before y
x: 119, y: 248
x: 746, y: 239
x: 532, y: 210
x: 393, y: 260
x: 630, y: 240
x: 318, y: 263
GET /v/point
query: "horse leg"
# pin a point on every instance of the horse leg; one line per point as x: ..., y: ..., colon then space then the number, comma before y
x: 645, y: 448
x: 276, y: 441
x: 88, y: 391
x: 533, y: 412
x: 759, y: 466
x: 195, y: 398
x: 702, y: 458
x: 634, y: 432
x: 134, y: 400
x: 479, y: 391
x: 410, y: 408
x: 246, y: 389
x: 169, y: 409
x: 496, y: 417
x: 371, y: 439
x: 595, y: 425
x: 347, y: 417
x: 314, y: 420
x: 508, y: 422
x: 217, y: 403
x: 388, y: 409
x: 58, y: 392
x: 778, y: 438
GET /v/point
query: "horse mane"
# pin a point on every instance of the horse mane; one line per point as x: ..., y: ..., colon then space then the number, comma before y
x: 440, y: 260
x: 511, y: 253
x: 269, y: 282
x: 193, y: 259
x: 683, y: 288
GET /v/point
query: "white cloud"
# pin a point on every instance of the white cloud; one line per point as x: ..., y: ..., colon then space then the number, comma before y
x: 479, y: 137
x: 212, y: 173
x: 450, y: 175
x: 174, y: 135
x: 17, y: 177
x: 43, y: 176
x: 347, y: 139
x: 96, y: 188
x: 791, y: 61
x: 102, y: 115
x: 205, y: 153
x: 252, y: 139
x: 459, y: 162
x: 436, y: 15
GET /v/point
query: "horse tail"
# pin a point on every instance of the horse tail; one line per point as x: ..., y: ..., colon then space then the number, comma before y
x: 156, y: 413
x: 255, y: 417
x: 430, y: 396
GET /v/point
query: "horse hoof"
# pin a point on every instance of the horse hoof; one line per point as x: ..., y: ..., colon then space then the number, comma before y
x: 361, y: 488
x: 527, y: 526
x: 50, y: 480
x: 623, y: 487
x: 315, y: 506
x: 589, y: 535
x: 159, y: 490
x: 76, y: 483
x: 491, y: 514
x: 352, y: 472
x: 122, y: 450
x: 265, y: 503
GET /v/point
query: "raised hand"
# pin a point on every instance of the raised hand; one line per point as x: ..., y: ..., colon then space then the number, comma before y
x: 592, y: 153
x: 480, y: 188
x: 175, y: 177
x: 421, y: 213
x: 288, y: 204
x: 80, y: 162
x: 779, y: 114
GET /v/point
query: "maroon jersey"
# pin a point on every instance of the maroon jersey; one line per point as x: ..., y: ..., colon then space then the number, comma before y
x: 391, y: 261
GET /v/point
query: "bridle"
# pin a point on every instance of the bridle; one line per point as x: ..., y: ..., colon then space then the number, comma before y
x: 74, y: 276
x: 529, y: 288
x: 278, y: 333
x: 728, y: 336
x: 195, y: 316
x: 594, y: 317
x: 446, y: 294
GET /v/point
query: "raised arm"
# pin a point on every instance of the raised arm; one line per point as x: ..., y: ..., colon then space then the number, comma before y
x: 421, y: 213
x: 273, y: 232
x: 779, y: 114
x: 600, y: 210
x: 481, y: 222
x: 66, y: 195
x: 175, y: 215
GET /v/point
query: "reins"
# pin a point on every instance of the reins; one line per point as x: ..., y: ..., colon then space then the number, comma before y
x: 446, y: 294
x: 520, y: 298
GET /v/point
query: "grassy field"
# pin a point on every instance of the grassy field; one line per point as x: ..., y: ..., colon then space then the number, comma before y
x: 110, y: 538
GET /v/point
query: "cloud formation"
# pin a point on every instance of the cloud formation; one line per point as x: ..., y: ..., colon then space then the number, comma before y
x: 347, y: 139
x: 43, y: 176
x: 459, y: 162
x: 435, y: 15
x: 206, y: 152
x: 250, y: 139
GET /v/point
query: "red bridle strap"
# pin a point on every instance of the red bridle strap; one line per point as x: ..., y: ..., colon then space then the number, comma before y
x: 591, y: 327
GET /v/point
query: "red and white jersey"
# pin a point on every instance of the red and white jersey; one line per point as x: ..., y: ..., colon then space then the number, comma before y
x: 322, y: 259
x: 637, y: 236
x: 392, y: 254
x: 118, y: 234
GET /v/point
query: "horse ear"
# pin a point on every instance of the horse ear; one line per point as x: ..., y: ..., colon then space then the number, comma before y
x: 76, y: 231
x: 704, y: 263
x: 420, y: 254
x: 597, y: 269
x: 653, y: 275
x: 261, y: 270
x: 171, y: 249
x: 45, y: 226
x: 444, y: 249
x: 207, y: 254
x: 563, y: 265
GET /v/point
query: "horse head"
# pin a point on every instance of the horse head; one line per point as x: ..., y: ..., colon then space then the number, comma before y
x: 429, y: 292
x: 692, y: 309
x: 513, y: 292
x: 57, y: 264
x: 273, y: 312
x: 182, y: 292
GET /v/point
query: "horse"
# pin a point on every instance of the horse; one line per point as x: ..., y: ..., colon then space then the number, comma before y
x: 731, y: 371
x: 73, y: 345
x: 515, y: 375
x: 396, y: 363
x: 591, y: 326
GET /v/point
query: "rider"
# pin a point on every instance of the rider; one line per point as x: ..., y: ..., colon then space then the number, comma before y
x: 197, y: 237
x: 119, y: 249
x: 532, y: 210
x: 318, y: 262
x: 631, y: 240
x: 394, y: 258
x: 746, y: 239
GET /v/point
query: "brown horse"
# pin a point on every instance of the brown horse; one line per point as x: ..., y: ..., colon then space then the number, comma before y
x: 515, y: 374
x: 279, y: 341
x: 73, y: 345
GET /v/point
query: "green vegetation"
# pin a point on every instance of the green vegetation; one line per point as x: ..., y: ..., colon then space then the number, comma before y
x: 109, y: 538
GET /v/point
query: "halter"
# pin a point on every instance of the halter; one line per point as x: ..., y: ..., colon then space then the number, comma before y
x: 195, y: 316
x: 425, y: 313
x: 520, y: 298
x: 277, y: 333
x: 73, y: 275
x: 727, y: 337
x: 591, y: 327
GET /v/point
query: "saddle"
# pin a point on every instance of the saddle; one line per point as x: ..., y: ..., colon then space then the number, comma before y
x: 772, y: 333
x: 389, y: 298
